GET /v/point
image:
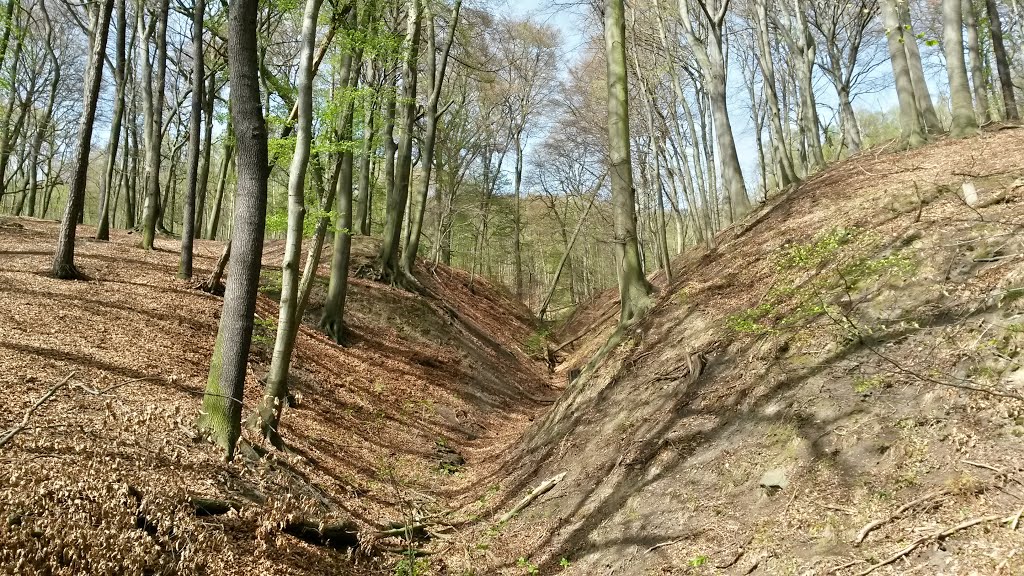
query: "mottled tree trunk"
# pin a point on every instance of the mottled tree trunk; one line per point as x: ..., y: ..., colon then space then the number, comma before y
x: 922, y: 95
x: 103, y: 228
x: 977, y: 64
x: 155, y: 88
x: 221, y: 417
x: 634, y: 291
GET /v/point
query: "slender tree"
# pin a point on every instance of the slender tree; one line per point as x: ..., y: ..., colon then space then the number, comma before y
x: 1002, y: 62
x: 911, y: 128
x: 221, y: 416
x: 64, y: 256
x: 194, y: 144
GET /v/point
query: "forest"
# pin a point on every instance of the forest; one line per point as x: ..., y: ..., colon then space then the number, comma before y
x: 433, y: 287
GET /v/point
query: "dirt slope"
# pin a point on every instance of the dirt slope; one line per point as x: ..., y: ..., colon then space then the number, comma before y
x: 98, y: 481
x: 852, y: 347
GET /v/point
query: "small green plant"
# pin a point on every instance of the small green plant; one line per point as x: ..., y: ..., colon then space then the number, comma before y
x: 866, y: 385
x: 264, y: 331
x: 818, y: 251
x: 537, y: 343
x: 697, y: 561
x: 528, y: 566
x: 564, y: 563
x: 411, y: 566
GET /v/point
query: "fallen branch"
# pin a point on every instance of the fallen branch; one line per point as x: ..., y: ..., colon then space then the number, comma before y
x: 899, y: 512
x: 663, y: 544
x: 589, y: 329
x: 24, y: 421
x: 537, y: 492
x: 339, y: 535
x: 936, y: 536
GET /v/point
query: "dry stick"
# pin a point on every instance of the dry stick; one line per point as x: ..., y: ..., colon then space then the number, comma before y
x: 24, y: 421
x: 937, y: 536
x: 536, y: 493
x: 909, y: 505
x: 589, y: 329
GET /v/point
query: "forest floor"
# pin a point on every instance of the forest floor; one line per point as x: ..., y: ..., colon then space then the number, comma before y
x: 836, y: 387
x: 410, y: 420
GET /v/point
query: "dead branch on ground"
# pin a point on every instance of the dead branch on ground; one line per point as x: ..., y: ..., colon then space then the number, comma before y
x: 24, y: 421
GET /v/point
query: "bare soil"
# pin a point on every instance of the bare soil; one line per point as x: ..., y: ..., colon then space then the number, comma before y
x: 851, y: 347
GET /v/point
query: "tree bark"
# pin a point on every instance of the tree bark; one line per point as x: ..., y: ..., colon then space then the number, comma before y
x: 913, y: 56
x: 64, y: 257
x: 964, y: 121
x: 103, y: 228
x: 275, y: 393
x: 1002, y: 62
x: 155, y: 107
x: 221, y: 417
x: 634, y: 291
x: 977, y: 64
x: 398, y: 198
x: 911, y: 128
x: 188, y: 229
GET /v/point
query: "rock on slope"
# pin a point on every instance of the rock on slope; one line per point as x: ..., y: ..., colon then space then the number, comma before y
x: 851, y: 348
x: 99, y: 480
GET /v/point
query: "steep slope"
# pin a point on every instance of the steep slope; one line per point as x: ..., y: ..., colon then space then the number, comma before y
x: 850, y: 348
x: 100, y: 479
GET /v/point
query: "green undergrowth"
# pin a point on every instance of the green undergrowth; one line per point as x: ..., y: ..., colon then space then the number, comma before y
x: 813, y: 278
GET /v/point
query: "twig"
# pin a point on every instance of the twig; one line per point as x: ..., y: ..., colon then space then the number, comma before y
x: 936, y: 536
x: 544, y: 487
x: 985, y: 466
x: 24, y: 421
x: 1015, y: 520
x: 876, y: 523
x: 663, y: 544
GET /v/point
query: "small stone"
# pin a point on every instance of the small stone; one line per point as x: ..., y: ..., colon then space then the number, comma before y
x: 774, y: 480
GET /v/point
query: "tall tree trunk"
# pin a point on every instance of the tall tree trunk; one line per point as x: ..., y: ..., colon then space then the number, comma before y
x: 221, y: 417
x: 218, y: 201
x: 1002, y: 62
x: 210, y: 92
x: 194, y: 145
x: 276, y: 392
x: 64, y: 256
x: 388, y: 258
x: 364, y: 203
x: 913, y: 56
x: 634, y: 291
x: 964, y: 121
x: 436, y: 72
x: 103, y: 228
x: 787, y: 173
x: 155, y: 125
x: 911, y: 128
x: 977, y: 64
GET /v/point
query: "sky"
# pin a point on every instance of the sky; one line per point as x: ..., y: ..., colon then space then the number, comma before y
x: 567, y: 18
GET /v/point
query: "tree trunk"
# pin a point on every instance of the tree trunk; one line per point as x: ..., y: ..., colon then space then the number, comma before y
x: 397, y: 200
x: 276, y: 392
x: 964, y: 121
x: 155, y: 125
x: 364, y: 204
x: 194, y: 145
x: 913, y: 56
x: 977, y: 63
x: 634, y: 291
x: 64, y: 257
x: 221, y: 417
x: 1002, y: 62
x: 103, y: 228
x: 204, y: 166
x: 218, y: 201
x: 911, y: 129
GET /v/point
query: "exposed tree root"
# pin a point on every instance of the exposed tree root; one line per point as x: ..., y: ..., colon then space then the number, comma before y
x: 899, y: 512
x: 937, y: 536
x: 342, y: 535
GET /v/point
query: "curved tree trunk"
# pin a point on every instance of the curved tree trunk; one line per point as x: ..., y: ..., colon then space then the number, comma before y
x: 269, y: 412
x: 221, y: 417
x: 64, y: 257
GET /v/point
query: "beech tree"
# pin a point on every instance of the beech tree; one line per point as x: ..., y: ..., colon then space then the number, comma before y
x: 221, y: 416
x: 964, y: 121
